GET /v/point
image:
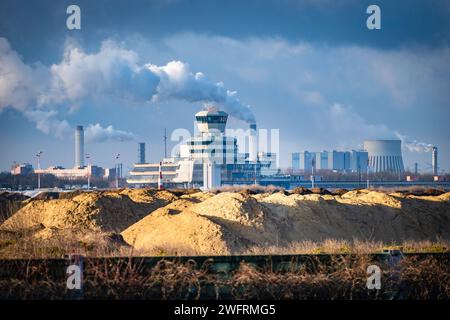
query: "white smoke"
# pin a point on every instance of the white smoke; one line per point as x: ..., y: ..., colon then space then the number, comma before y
x: 96, y: 133
x: 111, y: 73
x: 414, y: 145
x: 178, y: 82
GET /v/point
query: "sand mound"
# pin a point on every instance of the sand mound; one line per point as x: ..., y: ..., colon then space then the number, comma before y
x: 235, y: 207
x: 231, y: 222
x: 148, y: 195
x: 156, y: 222
x: 102, y: 211
x: 176, y: 227
x: 370, y: 198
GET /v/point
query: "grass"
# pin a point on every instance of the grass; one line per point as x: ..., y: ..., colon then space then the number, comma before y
x: 344, y: 277
x: 335, y: 246
x: 26, y: 246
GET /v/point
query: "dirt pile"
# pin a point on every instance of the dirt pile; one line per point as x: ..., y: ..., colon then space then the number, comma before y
x: 107, y: 211
x: 231, y: 222
x: 221, y: 224
x: 161, y: 222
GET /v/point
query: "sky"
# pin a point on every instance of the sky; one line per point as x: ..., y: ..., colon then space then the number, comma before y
x: 311, y: 69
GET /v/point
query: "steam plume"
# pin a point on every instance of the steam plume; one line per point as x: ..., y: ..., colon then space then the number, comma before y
x: 414, y: 145
x: 114, y: 73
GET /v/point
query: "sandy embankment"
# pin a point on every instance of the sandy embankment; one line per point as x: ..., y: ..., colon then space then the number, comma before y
x: 227, y: 222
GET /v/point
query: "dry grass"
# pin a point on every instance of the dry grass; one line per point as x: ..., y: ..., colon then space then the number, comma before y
x: 27, y: 245
x: 248, y: 188
x: 342, y: 278
x: 334, y: 246
x: 411, y: 190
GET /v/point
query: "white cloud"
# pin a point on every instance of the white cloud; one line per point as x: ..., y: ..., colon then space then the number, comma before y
x: 96, y: 133
x: 347, y: 129
x: 312, y: 97
x: 47, y: 122
x: 20, y: 84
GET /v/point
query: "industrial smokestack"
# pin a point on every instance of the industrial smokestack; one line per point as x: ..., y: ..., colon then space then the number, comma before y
x: 141, y: 152
x: 252, y: 144
x: 434, y: 160
x: 79, y: 147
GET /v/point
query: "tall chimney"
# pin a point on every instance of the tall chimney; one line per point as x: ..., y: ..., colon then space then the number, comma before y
x: 141, y: 152
x: 434, y: 160
x: 79, y: 147
x: 252, y: 144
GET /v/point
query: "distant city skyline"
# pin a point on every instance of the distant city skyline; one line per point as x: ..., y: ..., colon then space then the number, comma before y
x: 310, y: 69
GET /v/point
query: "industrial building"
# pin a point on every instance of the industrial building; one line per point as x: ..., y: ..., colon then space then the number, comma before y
x: 359, y: 161
x: 21, y: 169
x: 80, y: 170
x: 74, y: 173
x: 351, y: 161
x: 209, y: 159
x: 385, y: 155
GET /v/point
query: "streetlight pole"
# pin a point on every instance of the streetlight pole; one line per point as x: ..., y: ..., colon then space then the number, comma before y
x: 38, y: 156
x: 368, y: 184
x: 256, y: 183
x: 14, y: 177
x: 88, y: 156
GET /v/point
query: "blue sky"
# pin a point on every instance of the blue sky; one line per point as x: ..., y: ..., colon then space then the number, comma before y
x: 308, y: 68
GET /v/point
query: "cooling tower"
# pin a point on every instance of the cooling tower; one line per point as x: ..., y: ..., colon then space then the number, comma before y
x: 79, y: 147
x: 385, y: 155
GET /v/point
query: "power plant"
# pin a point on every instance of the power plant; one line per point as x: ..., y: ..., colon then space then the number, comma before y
x: 212, y: 158
x: 385, y: 155
x: 345, y: 161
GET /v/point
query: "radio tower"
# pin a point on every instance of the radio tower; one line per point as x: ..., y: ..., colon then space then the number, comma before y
x: 165, y: 143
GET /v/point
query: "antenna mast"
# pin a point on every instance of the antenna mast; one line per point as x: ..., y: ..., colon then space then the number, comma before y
x: 165, y: 143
